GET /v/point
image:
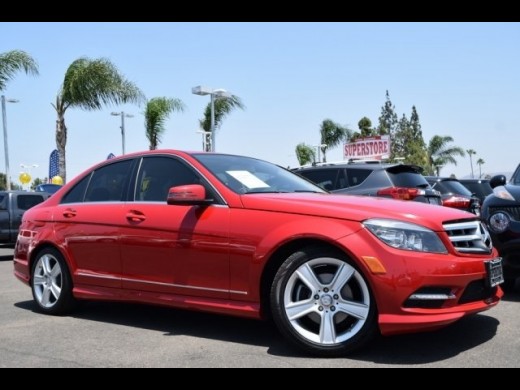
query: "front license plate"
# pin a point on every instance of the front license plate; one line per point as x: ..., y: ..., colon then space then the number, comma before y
x: 495, y: 272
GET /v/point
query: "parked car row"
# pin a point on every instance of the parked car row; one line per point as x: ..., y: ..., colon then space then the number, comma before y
x: 397, y: 181
x: 239, y: 236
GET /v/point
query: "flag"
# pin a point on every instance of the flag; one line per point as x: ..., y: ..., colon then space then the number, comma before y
x: 54, y: 167
x: 111, y: 156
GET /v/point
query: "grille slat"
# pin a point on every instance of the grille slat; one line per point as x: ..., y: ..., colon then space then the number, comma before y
x: 469, y: 237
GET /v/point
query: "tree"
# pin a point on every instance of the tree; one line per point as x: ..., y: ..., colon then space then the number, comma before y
x: 14, y: 61
x: 388, y: 121
x: 332, y: 134
x: 223, y: 107
x: 36, y: 183
x: 442, y: 153
x: 471, y: 153
x: 157, y: 111
x: 90, y: 84
x: 365, y: 127
x: 305, y: 154
x: 480, y: 162
x: 409, y: 142
x: 3, y: 183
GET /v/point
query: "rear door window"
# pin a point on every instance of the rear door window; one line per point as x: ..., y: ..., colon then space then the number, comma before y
x: 325, y: 178
x: 110, y: 183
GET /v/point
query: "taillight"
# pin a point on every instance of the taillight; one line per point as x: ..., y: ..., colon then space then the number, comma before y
x: 457, y: 202
x: 401, y: 193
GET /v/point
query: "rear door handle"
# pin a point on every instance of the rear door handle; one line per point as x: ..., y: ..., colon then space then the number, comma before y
x: 135, y: 216
x: 69, y: 213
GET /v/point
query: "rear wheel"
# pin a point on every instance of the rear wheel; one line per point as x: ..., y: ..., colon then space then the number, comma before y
x: 51, y: 283
x: 322, y: 303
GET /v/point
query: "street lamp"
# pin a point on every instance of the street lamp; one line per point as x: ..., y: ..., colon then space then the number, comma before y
x: 319, y: 147
x: 205, y: 136
x: 123, y: 116
x: 6, y: 144
x: 215, y: 94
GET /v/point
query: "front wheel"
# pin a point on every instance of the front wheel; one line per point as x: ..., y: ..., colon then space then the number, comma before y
x: 322, y: 303
x: 51, y: 283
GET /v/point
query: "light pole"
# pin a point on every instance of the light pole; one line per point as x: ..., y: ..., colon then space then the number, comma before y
x: 214, y: 94
x: 123, y: 116
x: 6, y: 144
x: 319, y: 147
x: 205, y: 136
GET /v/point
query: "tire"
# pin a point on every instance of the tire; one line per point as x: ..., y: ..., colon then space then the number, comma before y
x: 322, y: 303
x: 509, y: 285
x: 51, y: 283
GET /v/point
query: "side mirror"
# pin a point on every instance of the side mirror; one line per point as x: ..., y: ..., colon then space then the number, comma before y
x: 191, y: 195
x: 498, y: 181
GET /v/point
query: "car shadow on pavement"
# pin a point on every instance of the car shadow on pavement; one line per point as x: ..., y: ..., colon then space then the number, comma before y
x: 412, y: 349
x: 423, y: 348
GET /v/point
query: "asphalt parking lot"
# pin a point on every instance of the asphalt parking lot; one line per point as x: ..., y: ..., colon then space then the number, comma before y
x: 122, y: 335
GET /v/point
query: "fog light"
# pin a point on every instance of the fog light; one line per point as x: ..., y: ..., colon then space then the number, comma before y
x: 499, y: 222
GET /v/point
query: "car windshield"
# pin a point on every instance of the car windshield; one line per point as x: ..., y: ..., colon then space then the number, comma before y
x: 403, y: 176
x: 245, y: 175
x: 452, y: 187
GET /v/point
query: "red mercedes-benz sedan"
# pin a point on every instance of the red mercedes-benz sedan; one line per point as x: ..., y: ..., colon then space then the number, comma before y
x: 239, y: 236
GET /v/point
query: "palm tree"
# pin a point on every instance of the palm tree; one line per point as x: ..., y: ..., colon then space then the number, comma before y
x: 332, y: 134
x: 471, y: 153
x: 90, y: 84
x: 441, y: 153
x: 157, y: 111
x: 14, y: 61
x: 223, y: 107
x: 305, y: 154
x: 480, y: 162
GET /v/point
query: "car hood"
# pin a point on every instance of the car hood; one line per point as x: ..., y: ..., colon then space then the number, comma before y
x: 355, y: 208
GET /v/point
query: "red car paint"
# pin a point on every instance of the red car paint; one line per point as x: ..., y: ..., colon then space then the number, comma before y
x: 214, y: 258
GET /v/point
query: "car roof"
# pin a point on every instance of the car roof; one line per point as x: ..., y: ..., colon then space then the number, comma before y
x: 359, y: 165
x: 477, y: 181
x: 439, y: 179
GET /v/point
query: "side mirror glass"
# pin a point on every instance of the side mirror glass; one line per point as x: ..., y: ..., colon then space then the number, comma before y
x: 191, y: 195
x: 498, y: 181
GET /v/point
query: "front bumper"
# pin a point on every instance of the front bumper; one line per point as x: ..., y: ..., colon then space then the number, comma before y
x: 410, y: 272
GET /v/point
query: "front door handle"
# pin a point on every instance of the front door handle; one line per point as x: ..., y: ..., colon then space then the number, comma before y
x: 135, y: 216
x: 69, y: 213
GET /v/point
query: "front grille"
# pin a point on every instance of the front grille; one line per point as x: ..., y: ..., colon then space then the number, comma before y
x: 469, y: 237
x: 513, y: 211
x: 477, y: 291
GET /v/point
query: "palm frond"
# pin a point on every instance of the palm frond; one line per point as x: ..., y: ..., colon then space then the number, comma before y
x: 157, y: 112
x: 13, y: 62
x: 223, y: 107
x: 90, y: 84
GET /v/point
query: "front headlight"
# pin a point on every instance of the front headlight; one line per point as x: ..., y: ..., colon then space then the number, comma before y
x: 502, y: 193
x: 405, y: 236
x: 499, y: 222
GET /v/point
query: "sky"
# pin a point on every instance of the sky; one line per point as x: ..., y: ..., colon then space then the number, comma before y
x: 462, y: 77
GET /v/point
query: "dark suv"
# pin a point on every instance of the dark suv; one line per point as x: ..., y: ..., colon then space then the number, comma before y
x: 454, y: 194
x: 501, y: 211
x: 478, y: 187
x: 397, y: 181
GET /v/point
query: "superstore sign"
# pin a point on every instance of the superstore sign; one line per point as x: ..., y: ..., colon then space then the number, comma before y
x: 374, y: 147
